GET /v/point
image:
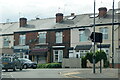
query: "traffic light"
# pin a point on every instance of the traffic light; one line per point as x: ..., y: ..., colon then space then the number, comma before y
x: 98, y: 37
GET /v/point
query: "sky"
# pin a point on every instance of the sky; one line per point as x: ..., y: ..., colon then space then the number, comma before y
x: 12, y: 10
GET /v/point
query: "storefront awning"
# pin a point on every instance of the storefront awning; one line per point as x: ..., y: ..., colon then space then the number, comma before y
x: 58, y: 46
x: 83, y: 47
x: 39, y: 51
x: 104, y: 46
x: 20, y: 49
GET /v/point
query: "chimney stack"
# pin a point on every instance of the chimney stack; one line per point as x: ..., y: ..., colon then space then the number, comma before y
x: 102, y: 12
x: 23, y: 22
x: 59, y: 17
x: 72, y: 14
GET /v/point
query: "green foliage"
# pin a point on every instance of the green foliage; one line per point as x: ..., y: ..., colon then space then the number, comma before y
x: 106, y: 64
x: 50, y: 65
x: 98, y: 56
x: 89, y: 56
x: 84, y: 61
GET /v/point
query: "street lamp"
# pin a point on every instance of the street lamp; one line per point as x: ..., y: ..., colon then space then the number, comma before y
x: 94, y: 40
x: 113, y: 36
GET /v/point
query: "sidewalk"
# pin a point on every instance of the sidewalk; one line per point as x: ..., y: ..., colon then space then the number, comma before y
x: 88, y: 73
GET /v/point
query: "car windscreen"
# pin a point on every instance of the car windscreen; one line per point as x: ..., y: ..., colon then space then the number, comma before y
x: 5, y: 59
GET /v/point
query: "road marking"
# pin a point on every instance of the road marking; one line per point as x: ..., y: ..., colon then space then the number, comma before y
x: 11, y: 75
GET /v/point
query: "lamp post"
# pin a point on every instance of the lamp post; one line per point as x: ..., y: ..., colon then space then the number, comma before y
x: 94, y: 41
x: 113, y: 36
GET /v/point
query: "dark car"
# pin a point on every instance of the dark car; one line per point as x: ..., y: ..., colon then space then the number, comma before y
x: 11, y: 63
x: 28, y: 63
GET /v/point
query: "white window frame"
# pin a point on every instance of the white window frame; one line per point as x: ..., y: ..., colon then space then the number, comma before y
x: 6, y: 40
x: 83, y: 52
x: 40, y: 41
x: 81, y: 36
x: 22, y: 39
x: 59, y: 55
x: 59, y: 37
x: 104, y: 32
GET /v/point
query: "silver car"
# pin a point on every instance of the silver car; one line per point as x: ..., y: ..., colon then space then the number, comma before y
x: 11, y: 63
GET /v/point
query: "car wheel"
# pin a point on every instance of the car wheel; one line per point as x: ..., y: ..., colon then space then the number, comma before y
x: 35, y: 66
x: 25, y: 66
x: 21, y: 68
x: 6, y: 69
x: 14, y: 69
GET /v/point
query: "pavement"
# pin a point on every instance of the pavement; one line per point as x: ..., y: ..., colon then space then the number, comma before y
x: 87, y: 74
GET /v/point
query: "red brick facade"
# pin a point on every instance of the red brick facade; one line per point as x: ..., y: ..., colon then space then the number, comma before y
x: 32, y: 40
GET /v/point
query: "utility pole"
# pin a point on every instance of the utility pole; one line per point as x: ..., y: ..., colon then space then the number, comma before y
x: 94, y: 41
x: 113, y: 36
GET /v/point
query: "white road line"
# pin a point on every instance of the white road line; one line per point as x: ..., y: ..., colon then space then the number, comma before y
x: 11, y: 75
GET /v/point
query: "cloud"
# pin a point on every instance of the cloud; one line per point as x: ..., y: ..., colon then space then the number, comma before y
x: 10, y: 9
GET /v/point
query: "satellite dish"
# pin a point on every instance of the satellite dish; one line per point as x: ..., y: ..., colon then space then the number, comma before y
x: 87, y: 32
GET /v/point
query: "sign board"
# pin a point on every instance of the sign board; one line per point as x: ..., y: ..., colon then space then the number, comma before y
x: 21, y: 47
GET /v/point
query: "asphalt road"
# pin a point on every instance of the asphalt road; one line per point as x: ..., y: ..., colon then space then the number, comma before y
x: 34, y: 73
x: 59, y: 74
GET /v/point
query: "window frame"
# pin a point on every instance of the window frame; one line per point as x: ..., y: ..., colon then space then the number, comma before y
x: 82, y: 37
x: 22, y: 39
x: 43, y: 37
x: 59, y: 55
x: 104, y: 31
x: 59, y: 37
x: 6, y: 42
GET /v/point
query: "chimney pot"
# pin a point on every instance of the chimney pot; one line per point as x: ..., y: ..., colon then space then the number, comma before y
x: 59, y: 17
x: 72, y: 14
x: 102, y: 11
x: 23, y: 22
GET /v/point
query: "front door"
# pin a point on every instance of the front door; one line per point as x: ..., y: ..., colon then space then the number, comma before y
x: 58, y: 55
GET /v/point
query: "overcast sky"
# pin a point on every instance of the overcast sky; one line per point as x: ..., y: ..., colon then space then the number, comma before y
x: 12, y: 10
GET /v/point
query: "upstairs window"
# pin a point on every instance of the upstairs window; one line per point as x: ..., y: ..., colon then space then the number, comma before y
x: 22, y: 40
x: 6, y: 42
x: 104, y: 31
x: 59, y: 37
x: 82, y: 36
x: 42, y: 37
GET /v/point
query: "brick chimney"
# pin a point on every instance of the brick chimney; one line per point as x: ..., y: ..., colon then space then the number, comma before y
x: 23, y: 22
x: 72, y: 14
x: 59, y: 17
x: 102, y: 12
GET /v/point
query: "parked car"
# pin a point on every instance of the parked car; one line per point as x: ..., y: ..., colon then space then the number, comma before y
x: 28, y: 63
x: 11, y: 63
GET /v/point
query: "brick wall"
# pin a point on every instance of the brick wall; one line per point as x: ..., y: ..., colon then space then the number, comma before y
x: 16, y: 38
x: 32, y: 39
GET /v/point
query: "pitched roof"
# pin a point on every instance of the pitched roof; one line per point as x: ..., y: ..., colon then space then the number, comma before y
x: 50, y: 23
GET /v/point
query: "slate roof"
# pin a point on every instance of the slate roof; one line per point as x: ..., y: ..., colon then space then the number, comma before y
x: 50, y: 23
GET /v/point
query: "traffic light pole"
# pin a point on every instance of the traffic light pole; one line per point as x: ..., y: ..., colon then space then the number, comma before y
x: 100, y: 60
x: 94, y: 41
x: 113, y: 36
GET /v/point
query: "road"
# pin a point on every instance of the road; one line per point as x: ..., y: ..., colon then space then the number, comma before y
x: 35, y: 73
x: 60, y: 74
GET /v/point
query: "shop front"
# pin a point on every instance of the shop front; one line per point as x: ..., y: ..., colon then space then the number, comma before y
x: 21, y: 51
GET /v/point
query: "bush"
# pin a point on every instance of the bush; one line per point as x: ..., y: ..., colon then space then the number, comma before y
x: 84, y: 62
x: 106, y: 64
x: 98, y: 56
x: 50, y: 65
